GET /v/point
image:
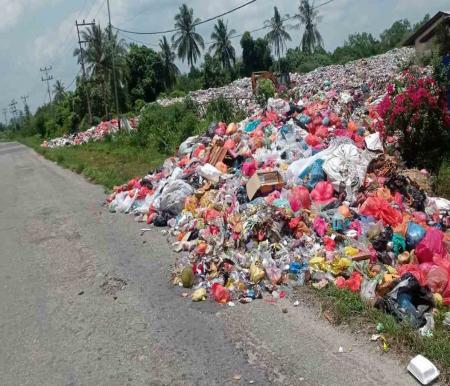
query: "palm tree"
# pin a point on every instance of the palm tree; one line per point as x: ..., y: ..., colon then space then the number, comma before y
x: 169, y: 67
x: 98, y: 59
x: 311, y: 40
x: 222, y: 47
x: 59, y: 91
x: 277, y: 36
x: 186, y: 40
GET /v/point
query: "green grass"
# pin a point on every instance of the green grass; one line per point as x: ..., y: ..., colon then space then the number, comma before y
x: 347, y: 307
x: 442, y: 184
x: 107, y: 163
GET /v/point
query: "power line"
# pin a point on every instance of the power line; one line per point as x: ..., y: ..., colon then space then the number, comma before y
x: 137, y: 40
x: 193, y: 25
x: 98, y: 10
x: 73, y: 80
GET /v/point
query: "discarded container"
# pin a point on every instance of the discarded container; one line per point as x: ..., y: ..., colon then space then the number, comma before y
x: 264, y: 183
x: 425, y: 371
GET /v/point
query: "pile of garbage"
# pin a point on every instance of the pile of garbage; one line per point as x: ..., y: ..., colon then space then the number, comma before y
x: 239, y: 93
x: 95, y: 133
x: 301, y: 192
x: 352, y: 81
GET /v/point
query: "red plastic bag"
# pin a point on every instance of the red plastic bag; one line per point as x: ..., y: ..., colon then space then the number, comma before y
x: 353, y: 283
x: 312, y: 140
x: 322, y: 192
x: 415, y: 270
x: 381, y: 210
x: 432, y: 244
x: 220, y: 294
x: 437, y: 279
x: 299, y: 198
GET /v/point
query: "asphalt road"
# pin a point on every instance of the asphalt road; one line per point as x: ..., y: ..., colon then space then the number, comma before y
x: 86, y: 300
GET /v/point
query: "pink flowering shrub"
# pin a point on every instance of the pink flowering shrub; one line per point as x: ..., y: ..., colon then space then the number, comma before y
x: 414, y: 112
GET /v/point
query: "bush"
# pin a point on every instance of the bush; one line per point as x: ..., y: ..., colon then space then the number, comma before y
x: 166, y: 127
x: 415, y: 114
x: 177, y: 94
x: 223, y: 110
x: 264, y: 90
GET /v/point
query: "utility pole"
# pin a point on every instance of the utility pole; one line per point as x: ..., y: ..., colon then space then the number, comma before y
x: 5, y: 114
x: 25, y: 105
x: 13, y: 109
x: 47, y: 79
x: 113, y: 65
x: 80, y: 42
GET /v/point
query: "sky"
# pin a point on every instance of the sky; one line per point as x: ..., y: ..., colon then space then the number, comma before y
x: 38, y: 33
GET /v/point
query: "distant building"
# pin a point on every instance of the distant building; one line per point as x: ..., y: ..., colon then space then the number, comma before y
x: 424, y: 38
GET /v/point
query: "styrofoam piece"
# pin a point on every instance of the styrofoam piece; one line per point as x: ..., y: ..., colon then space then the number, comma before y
x: 422, y: 368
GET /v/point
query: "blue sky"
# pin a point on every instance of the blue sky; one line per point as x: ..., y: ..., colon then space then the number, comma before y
x: 36, y: 33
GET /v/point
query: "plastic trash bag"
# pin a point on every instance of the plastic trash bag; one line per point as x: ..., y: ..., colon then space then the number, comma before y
x: 323, y: 192
x: 414, y: 234
x: 249, y: 168
x: 220, y: 294
x: 437, y: 279
x: 431, y: 244
x: 299, y: 198
x: 313, y: 174
x: 346, y: 166
x: 173, y: 197
x: 373, y: 142
x: 381, y: 210
x: 368, y: 291
x: 187, y: 146
x: 278, y: 105
x: 210, y: 172
x: 408, y: 301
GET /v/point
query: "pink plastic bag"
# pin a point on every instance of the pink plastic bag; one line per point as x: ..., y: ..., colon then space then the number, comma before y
x: 320, y: 226
x: 437, y: 279
x: 322, y: 192
x: 432, y: 244
x: 249, y: 168
x: 299, y: 198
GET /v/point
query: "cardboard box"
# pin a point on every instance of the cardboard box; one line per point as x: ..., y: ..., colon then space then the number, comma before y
x: 264, y: 183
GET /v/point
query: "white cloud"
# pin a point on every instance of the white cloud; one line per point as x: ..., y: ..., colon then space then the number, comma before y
x: 12, y: 10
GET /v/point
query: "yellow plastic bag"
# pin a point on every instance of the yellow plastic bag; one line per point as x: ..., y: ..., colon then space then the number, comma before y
x: 199, y: 295
x: 256, y: 273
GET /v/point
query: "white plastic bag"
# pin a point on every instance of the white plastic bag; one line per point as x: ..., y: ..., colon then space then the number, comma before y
x: 346, y: 165
x: 173, y: 196
x: 210, y: 172
x: 188, y: 145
